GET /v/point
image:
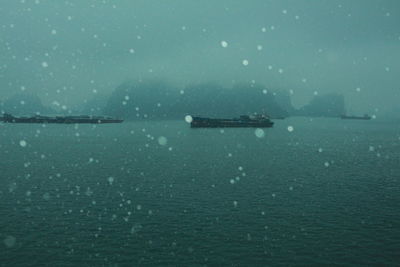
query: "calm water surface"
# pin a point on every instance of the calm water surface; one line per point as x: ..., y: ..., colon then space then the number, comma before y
x: 161, y: 194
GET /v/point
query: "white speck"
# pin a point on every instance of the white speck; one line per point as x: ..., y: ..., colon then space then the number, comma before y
x: 358, y: 89
x: 259, y: 133
x: 259, y: 47
x: 248, y: 237
x: 183, y: 28
x: 46, y: 196
x: 371, y: 148
x: 23, y: 143
x: 326, y: 164
x: 290, y: 128
x: 10, y: 241
x: 387, y: 69
x: 315, y: 92
x: 127, y: 97
x: 232, y: 181
x: 45, y: 64
x: 284, y: 11
x: 188, y: 118
x: 224, y: 44
x: 304, y: 80
x: 240, y: 168
x: 273, y: 195
x: 265, y: 91
x: 230, y: 154
x: 263, y: 29
x: 373, y: 117
x: 291, y: 188
x: 136, y: 228
x: 110, y: 180
x: 131, y: 50
x: 272, y: 28
x: 182, y: 92
x: 235, y: 203
x: 320, y: 150
x: 291, y: 91
x: 280, y: 71
x: 245, y: 62
x: 270, y: 67
x: 162, y: 140
x: 53, y: 32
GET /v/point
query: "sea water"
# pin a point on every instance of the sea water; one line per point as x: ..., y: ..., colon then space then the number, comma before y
x: 158, y: 193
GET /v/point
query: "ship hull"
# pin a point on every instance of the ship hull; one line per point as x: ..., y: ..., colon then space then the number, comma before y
x: 354, y: 118
x: 63, y: 121
x: 59, y: 120
x: 229, y: 123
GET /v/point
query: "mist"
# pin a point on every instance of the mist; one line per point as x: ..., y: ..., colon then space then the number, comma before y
x: 199, y: 133
x: 70, y: 51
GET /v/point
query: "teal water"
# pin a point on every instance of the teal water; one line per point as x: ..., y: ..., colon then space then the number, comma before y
x: 161, y: 194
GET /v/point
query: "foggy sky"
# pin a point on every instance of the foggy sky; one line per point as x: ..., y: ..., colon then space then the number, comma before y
x: 70, y: 50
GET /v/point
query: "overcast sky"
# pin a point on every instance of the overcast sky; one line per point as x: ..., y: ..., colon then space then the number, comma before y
x: 70, y: 50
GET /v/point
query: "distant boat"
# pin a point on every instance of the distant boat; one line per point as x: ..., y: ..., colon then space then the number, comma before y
x: 365, y: 117
x: 258, y: 121
x: 8, y: 118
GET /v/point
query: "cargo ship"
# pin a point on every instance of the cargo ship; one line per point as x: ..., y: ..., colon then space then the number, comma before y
x: 365, y: 117
x: 257, y: 121
x: 8, y: 118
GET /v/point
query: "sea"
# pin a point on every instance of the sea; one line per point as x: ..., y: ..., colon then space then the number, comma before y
x: 307, y: 192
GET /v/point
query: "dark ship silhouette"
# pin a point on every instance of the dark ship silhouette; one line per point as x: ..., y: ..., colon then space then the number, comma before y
x: 8, y: 118
x: 257, y: 121
x: 365, y: 117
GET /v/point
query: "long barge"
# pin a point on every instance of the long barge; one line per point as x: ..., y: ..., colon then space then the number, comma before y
x: 8, y: 118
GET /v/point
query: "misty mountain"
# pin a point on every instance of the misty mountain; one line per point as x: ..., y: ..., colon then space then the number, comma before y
x: 95, y: 105
x: 157, y: 99
x: 393, y: 113
x: 24, y: 104
x: 228, y: 102
x: 329, y: 105
x: 141, y: 100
